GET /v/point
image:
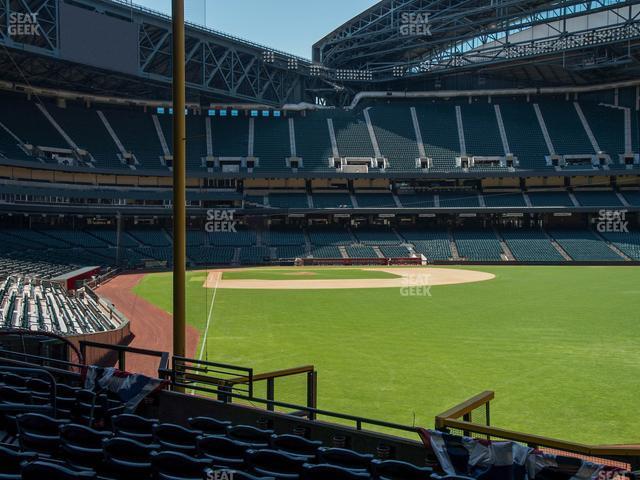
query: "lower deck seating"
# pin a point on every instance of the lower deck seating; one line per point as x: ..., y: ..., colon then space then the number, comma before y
x: 531, y: 245
x: 434, y: 244
x: 332, y: 200
x: 361, y: 251
x: 377, y: 236
x: 392, y: 251
x: 326, y: 251
x: 478, y: 245
x: 627, y: 242
x: 458, y: 200
x: 550, y: 199
x: 34, y: 305
x: 583, y: 245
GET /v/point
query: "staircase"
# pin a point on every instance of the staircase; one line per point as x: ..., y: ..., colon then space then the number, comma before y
x: 559, y: 248
x: 454, y: 248
x: 505, y: 248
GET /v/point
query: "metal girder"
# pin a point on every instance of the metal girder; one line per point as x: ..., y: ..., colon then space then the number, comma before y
x: 376, y: 40
x: 218, y: 65
x: 29, y: 23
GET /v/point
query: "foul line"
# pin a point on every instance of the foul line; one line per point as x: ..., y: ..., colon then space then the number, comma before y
x: 206, y: 329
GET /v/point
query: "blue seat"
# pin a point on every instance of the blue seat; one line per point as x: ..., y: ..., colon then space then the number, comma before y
x: 325, y: 471
x: 208, y: 425
x: 82, y: 446
x: 39, y: 433
x: 397, y: 470
x: 134, y: 427
x: 296, y: 445
x: 126, y: 459
x: 175, y: 438
x: 345, y: 458
x: 275, y: 464
x: 11, y: 461
x: 40, y: 470
x: 256, y: 437
x: 222, y: 451
x: 178, y: 466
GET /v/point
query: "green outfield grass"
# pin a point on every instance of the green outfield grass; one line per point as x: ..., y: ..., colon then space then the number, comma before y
x: 559, y: 345
x: 306, y: 274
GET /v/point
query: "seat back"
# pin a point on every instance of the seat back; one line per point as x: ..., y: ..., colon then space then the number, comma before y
x: 208, y: 425
x: 395, y: 469
x: 343, y: 457
x: 178, y: 465
x: 11, y: 460
x: 79, y: 435
x: 294, y: 444
x: 50, y: 471
x: 324, y: 471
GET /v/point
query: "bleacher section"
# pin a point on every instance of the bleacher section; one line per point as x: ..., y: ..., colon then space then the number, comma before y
x: 87, y: 130
x: 627, y: 242
x: 361, y: 251
x: 352, y: 135
x: 459, y: 200
x: 525, y: 137
x: 529, y: 245
x: 313, y: 141
x: 396, y: 136
x: 288, y: 200
x: 439, y: 129
x: 43, y: 306
x: 504, y: 200
x: 481, y: 131
x: 392, y: 124
x: 375, y: 200
x: 478, y: 245
x: 51, y: 252
x: 550, y: 199
x: 332, y: 200
x: 393, y: 251
x: 230, y: 136
x: 138, y: 135
x: 432, y: 243
x: 417, y: 200
x: 583, y: 245
x: 567, y: 133
x: 271, y: 144
x: 377, y: 236
x: 329, y: 236
x: 600, y: 199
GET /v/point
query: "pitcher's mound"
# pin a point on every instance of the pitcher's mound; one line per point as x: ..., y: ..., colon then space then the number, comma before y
x: 409, y: 277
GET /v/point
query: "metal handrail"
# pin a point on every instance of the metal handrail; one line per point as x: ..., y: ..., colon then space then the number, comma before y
x: 311, y: 411
x: 451, y: 419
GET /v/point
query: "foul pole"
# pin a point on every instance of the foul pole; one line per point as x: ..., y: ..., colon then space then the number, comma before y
x: 179, y: 181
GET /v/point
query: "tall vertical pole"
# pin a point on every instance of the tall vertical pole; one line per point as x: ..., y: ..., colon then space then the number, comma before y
x: 179, y: 181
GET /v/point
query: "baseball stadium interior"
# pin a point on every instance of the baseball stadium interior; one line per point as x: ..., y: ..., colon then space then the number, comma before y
x: 420, y: 133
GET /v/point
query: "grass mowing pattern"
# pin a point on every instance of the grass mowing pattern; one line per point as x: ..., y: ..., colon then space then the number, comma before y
x: 559, y: 345
x: 306, y: 274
